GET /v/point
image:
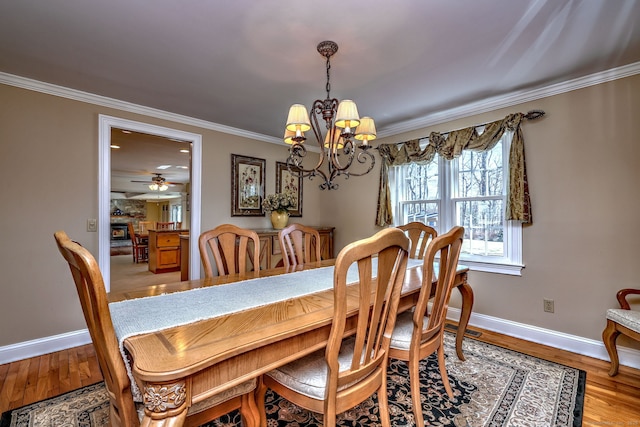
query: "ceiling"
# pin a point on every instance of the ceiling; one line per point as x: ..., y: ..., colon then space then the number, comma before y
x: 240, y: 64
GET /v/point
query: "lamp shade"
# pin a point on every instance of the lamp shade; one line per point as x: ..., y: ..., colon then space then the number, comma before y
x: 366, y: 130
x: 347, y: 115
x: 298, y: 119
x: 288, y: 136
x: 338, y: 140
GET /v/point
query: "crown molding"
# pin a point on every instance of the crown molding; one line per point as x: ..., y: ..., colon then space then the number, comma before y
x: 467, y: 110
x: 510, y: 100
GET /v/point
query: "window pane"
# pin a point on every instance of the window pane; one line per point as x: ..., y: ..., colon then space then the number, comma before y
x: 424, y: 212
x: 420, y: 182
x: 483, y: 223
x: 480, y: 173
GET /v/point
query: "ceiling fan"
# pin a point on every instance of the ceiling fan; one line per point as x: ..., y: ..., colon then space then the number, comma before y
x: 158, y: 183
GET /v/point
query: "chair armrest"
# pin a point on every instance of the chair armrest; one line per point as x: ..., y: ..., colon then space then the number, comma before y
x: 622, y: 297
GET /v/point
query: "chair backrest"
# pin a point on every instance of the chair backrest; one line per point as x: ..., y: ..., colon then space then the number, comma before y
x: 145, y: 226
x: 132, y: 233
x: 165, y: 225
x: 231, y: 248
x: 93, y: 299
x: 447, y: 246
x: 300, y: 244
x: 381, y: 262
x: 420, y: 235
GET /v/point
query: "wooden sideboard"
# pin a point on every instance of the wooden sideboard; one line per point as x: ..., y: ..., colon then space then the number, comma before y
x: 164, y: 250
x: 271, y: 254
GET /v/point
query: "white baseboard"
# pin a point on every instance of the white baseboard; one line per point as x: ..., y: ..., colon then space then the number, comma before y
x: 33, y: 348
x: 583, y: 346
x: 575, y: 344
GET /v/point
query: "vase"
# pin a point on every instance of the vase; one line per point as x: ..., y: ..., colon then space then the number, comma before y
x: 279, y: 220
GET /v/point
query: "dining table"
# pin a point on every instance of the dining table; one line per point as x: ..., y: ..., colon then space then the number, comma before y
x: 184, y: 342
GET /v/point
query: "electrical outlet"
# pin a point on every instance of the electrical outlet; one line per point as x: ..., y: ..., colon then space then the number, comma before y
x: 92, y: 225
x: 548, y: 305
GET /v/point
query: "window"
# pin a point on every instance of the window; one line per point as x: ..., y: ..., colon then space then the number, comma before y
x: 469, y: 191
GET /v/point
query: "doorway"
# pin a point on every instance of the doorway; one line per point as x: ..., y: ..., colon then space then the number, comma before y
x: 189, y: 210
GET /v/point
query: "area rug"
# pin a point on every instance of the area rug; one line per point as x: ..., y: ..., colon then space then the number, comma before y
x: 494, y: 387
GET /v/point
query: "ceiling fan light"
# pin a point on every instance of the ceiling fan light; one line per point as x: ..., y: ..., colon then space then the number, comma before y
x: 153, y: 187
x: 347, y: 116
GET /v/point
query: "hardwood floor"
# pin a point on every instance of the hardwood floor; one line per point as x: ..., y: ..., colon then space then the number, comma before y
x: 608, y: 401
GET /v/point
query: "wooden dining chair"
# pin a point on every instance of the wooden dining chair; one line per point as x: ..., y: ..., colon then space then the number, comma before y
x: 145, y: 226
x: 165, y: 225
x: 95, y: 307
x: 232, y: 249
x: 349, y: 370
x: 300, y: 245
x: 140, y: 249
x: 416, y: 336
x: 621, y: 320
x: 420, y: 236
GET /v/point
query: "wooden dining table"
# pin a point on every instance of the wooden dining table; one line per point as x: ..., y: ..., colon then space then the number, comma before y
x: 183, y: 365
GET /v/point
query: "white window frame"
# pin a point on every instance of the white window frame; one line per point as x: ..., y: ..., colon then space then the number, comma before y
x: 511, y: 263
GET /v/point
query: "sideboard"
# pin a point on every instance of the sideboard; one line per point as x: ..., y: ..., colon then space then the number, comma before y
x: 164, y: 250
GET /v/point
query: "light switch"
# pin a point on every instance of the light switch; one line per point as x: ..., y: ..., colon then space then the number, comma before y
x: 92, y: 224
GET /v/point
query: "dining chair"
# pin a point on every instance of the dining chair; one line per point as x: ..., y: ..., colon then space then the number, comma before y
x: 140, y: 249
x: 95, y: 307
x: 231, y: 247
x: 416, y: 334
x: 621, y: 320
x: 145, y: 226
x: 420, y: 235
x: 299, y: 244
x: 165, y: 225
x: 350, y: 369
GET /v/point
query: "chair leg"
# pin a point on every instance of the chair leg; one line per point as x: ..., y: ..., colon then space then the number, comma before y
x: 414, y: 381
x: 443, y: 371
x: 609, y: 336
x: 249, y: 410
x: 260, y: 392
x: 383, y: 402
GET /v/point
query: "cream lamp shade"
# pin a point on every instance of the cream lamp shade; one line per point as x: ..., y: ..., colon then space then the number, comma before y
x: 366, y: 130
x: 347, y: 116
x: 338, y: 141
x: 288, y: 136
x: 298, y: 119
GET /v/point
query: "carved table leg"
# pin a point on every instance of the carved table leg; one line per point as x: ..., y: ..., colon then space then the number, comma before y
x: 165, y: 405
x: 467, y: 305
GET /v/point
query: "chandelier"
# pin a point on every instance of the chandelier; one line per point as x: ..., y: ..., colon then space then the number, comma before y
x: 346, y: 136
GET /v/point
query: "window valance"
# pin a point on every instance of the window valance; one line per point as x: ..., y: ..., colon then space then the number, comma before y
x: 450, y: 145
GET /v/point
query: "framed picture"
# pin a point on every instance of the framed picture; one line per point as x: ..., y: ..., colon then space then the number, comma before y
x: 247, y: 185
x: 289, y: 182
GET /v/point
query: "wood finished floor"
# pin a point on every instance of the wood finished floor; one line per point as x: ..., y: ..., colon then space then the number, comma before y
x: 608, y: 401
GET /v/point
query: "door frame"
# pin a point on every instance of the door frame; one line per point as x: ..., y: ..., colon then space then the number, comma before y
x: 106, y: 123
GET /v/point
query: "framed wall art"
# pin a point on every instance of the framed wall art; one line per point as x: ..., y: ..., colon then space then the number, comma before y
x: 247, y: 185
x: 287, y: 182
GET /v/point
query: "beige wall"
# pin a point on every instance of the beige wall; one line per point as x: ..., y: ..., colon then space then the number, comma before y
x: 583, y: 161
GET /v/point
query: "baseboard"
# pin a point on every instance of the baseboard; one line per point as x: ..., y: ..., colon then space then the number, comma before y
x: 33, y: 348
x: 583, y: 346
x: 575, y: 344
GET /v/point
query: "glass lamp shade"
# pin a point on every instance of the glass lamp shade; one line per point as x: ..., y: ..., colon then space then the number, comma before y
x: 153, y: 187
x: 298, y: 119
x: 347, y: 115
x: 156, y: 187
x: 366, y: 131
x: 338, y: 141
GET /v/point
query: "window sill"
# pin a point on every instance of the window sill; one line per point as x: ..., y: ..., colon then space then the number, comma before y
x: 490, y: 267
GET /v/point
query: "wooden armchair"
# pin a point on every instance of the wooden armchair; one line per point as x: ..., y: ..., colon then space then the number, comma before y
x: 333, y: 380
x: 621, y: 320
x: 140, y: 248
x: 95, y: 307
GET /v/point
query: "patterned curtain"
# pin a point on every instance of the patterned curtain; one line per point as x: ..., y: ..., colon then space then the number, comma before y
x: 518, y: 201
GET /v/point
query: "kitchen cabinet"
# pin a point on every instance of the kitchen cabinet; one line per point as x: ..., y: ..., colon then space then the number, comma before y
x: 164, y: 250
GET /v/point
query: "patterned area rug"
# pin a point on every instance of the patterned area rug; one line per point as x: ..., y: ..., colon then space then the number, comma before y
x: 494, y: 387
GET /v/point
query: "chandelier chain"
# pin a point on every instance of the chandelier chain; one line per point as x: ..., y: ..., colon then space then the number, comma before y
x: 328, y: 86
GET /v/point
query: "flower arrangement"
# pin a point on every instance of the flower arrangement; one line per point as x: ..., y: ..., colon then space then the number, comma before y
x: 279, y: 202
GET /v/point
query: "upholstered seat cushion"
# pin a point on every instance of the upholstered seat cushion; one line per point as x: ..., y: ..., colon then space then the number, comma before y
x: 401, y: 337
x: 627, y: 318
x: 239, y: 390
x: 308, y: 376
